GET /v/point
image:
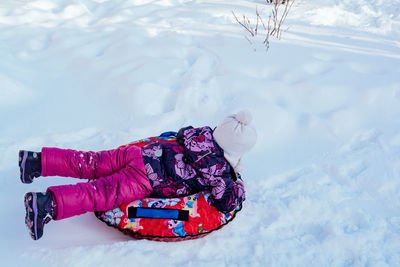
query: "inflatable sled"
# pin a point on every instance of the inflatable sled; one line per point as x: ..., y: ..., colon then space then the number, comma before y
x: 168, y: 219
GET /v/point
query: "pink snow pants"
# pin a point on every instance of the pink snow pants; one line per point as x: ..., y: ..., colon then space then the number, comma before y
x: 118, y: 177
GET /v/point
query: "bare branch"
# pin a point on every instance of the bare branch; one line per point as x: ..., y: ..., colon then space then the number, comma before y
x: 245, y: 25
x: 257, y: 20
x: 262, y: 22
x: 247, y: 38
x: 278, y: 14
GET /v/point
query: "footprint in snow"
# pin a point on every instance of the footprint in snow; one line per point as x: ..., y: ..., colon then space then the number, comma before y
x: 362, y: 140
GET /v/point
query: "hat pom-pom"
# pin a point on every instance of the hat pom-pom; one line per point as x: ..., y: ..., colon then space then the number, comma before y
x: 244, y: 117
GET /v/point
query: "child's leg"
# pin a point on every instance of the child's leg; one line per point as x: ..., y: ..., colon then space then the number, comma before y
x: 128, y: 184
x: 85, y: 165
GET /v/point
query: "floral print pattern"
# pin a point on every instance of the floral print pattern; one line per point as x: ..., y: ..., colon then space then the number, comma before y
x: 192, y: 162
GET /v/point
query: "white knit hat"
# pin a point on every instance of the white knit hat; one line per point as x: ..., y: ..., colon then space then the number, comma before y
x: 236, y: 136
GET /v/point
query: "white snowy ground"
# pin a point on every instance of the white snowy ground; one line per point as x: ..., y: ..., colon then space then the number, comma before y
x: 323, y: 183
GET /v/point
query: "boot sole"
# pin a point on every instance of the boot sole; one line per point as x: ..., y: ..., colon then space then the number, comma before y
x: 23, y: 155
x: 31, y: 214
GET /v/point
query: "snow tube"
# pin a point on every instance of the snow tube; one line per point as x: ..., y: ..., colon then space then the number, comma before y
x: 168, y: 219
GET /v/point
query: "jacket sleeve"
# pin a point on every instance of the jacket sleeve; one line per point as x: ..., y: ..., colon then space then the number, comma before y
x: 204, y: 154
x: 233, y: 195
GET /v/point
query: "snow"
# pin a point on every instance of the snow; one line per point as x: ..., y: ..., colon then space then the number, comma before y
x: 323, y: 183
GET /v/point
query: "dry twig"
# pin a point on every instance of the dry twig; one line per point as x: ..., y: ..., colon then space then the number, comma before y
x: 245, y: 24
x: 276, y: 19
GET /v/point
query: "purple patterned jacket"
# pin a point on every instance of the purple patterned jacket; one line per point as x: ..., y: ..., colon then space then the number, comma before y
x: 194, y: 163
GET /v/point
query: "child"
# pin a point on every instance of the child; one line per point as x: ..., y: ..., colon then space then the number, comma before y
x: 200, y: 159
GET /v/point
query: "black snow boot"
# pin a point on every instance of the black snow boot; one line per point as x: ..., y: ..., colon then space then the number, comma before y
x: 39, y: 211
x: 30, y: 165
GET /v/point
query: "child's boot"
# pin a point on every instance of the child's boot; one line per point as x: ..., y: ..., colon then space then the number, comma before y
x: 39, y: 211
x: 30, y: 165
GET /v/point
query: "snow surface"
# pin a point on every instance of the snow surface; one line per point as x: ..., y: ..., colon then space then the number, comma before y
x: 323, y: 183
